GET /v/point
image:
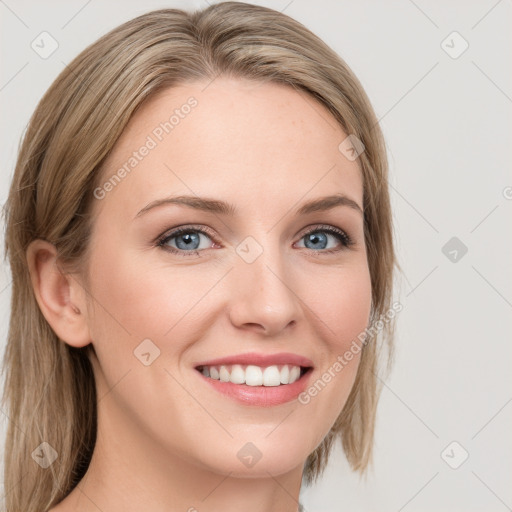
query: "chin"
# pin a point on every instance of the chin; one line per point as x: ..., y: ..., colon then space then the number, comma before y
x: 253, y: 457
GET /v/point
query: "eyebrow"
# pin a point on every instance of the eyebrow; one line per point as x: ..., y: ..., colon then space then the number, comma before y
x: 223, y: 208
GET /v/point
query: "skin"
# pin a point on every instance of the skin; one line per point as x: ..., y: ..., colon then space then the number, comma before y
x: 166, y: 440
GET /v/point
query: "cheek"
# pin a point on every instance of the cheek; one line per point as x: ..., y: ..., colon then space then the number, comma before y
x: 343, y: 309
x: 135, y: 300
x: 342, y: 302
x: 349, y: 316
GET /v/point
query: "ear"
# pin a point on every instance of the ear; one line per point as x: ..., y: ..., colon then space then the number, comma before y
x: 61, y: 298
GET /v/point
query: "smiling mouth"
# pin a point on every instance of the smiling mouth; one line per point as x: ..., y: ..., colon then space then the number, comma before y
x: 252, y: 375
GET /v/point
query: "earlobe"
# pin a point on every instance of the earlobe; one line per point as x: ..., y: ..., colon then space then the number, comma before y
x: 57, y: 294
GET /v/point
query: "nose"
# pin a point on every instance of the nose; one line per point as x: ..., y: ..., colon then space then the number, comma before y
x: 263, y: 299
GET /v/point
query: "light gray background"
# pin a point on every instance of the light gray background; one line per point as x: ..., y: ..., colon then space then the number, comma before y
x: 447, y: 122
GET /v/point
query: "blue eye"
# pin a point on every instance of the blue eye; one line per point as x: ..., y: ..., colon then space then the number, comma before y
x: 318, y: 238
x: 186, y: 241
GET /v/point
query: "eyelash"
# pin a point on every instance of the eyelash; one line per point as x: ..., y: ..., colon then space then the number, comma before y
x: 161, y: 242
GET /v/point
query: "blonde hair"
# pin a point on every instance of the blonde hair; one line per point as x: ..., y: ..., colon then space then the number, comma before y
x: 49, y: 390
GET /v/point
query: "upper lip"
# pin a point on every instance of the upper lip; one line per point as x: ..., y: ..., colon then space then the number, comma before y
x: 263, y: 360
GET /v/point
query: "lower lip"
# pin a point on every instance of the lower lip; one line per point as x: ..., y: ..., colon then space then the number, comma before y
x: 262, y: 396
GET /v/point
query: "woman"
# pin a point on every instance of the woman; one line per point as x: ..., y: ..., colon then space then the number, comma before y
x: 200, y: 238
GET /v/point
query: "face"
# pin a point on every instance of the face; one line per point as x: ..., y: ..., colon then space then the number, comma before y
x: 254, y: 278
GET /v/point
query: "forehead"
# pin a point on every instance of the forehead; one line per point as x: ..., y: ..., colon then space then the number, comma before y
x: 249, y: 143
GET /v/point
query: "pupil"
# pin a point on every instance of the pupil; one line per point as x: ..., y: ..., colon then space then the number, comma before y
x: 315, y: 238
x: 186, y: 240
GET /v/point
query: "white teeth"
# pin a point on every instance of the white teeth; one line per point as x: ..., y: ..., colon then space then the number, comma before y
x: 237, y: 374
x: 271, y: 376
x: 294, y: 373
x: 253, y: 375
x: 285, y: 374
x: 224, y: 374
